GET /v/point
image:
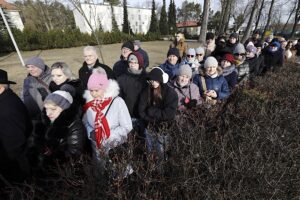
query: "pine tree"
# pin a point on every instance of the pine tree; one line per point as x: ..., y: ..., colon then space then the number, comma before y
x: 153, y: 24
x: 163, y: 24
x: 125, y: 18
x: 172, y: 18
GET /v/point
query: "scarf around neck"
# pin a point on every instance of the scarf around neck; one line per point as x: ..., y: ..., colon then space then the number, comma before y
x: 228, y: 70
x: 102, y: 130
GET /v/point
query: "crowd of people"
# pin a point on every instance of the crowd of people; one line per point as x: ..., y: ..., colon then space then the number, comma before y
x: 60, y: 117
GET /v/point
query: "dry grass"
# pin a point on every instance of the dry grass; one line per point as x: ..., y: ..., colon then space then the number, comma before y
x: 157, y: 51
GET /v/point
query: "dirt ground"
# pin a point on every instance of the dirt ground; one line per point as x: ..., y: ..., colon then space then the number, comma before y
x: 157, y: 51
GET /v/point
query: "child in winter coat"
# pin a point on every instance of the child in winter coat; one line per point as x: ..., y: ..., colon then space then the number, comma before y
x: 106, y: 116
x: 191, y: 60
x: 188, y: 93
x: 229, y: 70
x: 212, y: 85
x: 158, y: 104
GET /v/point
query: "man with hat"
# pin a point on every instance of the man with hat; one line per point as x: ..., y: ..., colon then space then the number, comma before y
x: 120, y: 67
x: 171, y: 65
x: 232, y: 41
x: 35, y: 86
x: 15, y: 129
x: 137, y: 48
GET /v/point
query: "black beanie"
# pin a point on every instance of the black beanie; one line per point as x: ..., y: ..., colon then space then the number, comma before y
x: 173, y: 51
x: 128, y: 45
x: 156, y: 75
x: 210, y: 35
x: 234, y: 35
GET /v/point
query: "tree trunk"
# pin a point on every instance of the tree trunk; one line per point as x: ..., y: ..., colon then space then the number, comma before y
x: 269, y: 19
x: 225, y: 17
x: 297, y: 19
x: 259, y: 14
x: 204, y: 22
x: 250, y: 22
x: 287, y: 21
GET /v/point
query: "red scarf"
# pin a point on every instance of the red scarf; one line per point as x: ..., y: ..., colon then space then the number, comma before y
x: 102, y: 130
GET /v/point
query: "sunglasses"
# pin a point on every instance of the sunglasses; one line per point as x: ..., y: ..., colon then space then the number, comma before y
x: 239, y: 54
x: 192, y: 56
x: 199, y: 54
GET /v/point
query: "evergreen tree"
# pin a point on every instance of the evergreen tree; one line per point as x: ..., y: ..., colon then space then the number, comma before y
x: 125, y: 17
x: 163, y: 24
x: 114, y: 24
x: 172, y: 18
x: 153, y: 24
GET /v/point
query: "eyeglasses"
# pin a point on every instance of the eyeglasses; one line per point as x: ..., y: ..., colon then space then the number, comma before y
x: 192, y: 56
x: 239, y: 54
x: 199, y: 54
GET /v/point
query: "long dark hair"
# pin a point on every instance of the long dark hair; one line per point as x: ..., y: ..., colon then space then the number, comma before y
x: 155, y: 95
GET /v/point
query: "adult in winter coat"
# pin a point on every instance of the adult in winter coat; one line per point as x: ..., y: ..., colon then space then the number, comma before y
x: 210, y: 45
x: 232, y: 41
x: 171, y: 65
x: 91, y: 62
x: 138, y: 48
x: 200, y: 56
x: 221, y: 48
x: 158, y: 104
x: 212, y: 85
x: 61, y: 77
x: 253, y: 60
x: 120, y: 67
x: 273, y: 57
x: 242, y: 65
x: 61, y: 136
x: 15, y: 129
x: 132, y: 83
x: 188, y: 93
x: 180, y: 44
x: 106, y: 118
x: 191, y: 60
x: 35, y: 86
x: 229, y: 70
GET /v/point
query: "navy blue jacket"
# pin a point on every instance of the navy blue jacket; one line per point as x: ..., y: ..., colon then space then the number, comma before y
x: 219, y: 84
x: 171, y: 70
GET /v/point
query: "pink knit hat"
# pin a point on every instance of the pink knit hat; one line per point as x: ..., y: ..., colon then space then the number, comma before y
x: 97, y: 81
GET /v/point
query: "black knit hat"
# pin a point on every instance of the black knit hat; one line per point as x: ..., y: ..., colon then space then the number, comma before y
x: 157, y: 74
x: 128, y: 45
x: 210, y: 35
x: 234, y: 35
x: 173, y: 51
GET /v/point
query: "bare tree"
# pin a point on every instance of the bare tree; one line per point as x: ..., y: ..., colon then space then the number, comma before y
x: 204, y: 22
x: 297, y: 19
x: 250, y: 22
x: 269, y: 19
x: 225, y: 15
x: 259, y: 14
x: 77, y: 5
x: 290, y: 15
x: 240, y: 14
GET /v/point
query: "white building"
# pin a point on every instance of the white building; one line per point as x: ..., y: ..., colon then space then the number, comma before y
x: 13, y: 14
x: 139, y: 18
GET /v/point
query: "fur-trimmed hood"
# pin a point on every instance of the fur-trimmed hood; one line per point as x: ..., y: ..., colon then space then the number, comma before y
x: 112, y: 91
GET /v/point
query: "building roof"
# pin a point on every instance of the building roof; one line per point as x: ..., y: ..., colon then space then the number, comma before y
x: 7, y: 6
x: 187, y: 24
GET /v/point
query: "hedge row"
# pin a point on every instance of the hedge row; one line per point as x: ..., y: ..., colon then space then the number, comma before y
x: 31, y: 40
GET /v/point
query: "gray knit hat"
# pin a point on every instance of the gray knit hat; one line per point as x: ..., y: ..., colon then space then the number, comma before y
x: 36, y: 61
x: 137, y: 42
x: 185, y: 70
x: 191, y: 51
x: 239, y: 49
x: 210, y: 62
x: 200, y: 50
x: 61, y: 98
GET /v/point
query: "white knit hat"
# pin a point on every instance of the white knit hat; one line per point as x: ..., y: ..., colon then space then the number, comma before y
x: 200, y: 50
x: 211, y: 62
x: 185, y: 70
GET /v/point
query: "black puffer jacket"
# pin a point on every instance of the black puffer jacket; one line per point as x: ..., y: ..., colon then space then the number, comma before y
x: 131, y: 87
x: 64, y: 138
x: 120, y: 67
x: 166, y: 111
x: 85, y: 73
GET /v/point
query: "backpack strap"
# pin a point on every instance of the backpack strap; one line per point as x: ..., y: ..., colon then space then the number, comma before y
x: 109, y: 106
x: 203, y: 83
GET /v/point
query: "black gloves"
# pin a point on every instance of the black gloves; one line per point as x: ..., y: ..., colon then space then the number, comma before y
x: 191, y: 104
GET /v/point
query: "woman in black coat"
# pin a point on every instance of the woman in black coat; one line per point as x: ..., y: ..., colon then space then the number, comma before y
x: 62, y: 135
x: 158, y: 104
